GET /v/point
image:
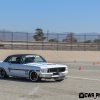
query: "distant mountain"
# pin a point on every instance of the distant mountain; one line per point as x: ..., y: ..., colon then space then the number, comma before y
x: 92, y: 33
x: 80, y: 36
x: 5, y: 31
x: 23, y: 36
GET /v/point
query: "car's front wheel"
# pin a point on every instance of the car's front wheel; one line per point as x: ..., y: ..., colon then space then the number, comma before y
x: 3, y: 73
x: 34, y: 76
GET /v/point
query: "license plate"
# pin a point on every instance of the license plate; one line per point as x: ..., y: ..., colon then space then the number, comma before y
x: 55, y: 73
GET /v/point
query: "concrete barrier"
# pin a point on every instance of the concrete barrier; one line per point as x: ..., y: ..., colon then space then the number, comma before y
x: 57, y: 56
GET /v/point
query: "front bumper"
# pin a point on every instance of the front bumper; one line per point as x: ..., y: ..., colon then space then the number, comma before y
x: 52, y: 75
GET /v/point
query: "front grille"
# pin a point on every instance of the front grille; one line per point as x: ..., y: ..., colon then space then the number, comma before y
x: 56, y: 69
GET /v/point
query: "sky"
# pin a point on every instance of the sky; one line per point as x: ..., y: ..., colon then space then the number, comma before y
x: 77, y: 16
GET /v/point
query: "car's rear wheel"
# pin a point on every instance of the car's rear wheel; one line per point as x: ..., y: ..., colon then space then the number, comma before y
x: 34, y: 76
x: 3, y: 73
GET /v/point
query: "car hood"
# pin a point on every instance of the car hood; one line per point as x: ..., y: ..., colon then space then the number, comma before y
x: 46, y: 65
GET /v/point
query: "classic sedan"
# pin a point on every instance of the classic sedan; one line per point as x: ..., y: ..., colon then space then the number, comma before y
x: 32, y: 66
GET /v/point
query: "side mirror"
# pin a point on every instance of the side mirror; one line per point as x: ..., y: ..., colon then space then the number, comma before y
x: 9, y: 61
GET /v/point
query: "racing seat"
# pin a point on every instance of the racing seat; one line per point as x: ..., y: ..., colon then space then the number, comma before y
x: 29, y: 60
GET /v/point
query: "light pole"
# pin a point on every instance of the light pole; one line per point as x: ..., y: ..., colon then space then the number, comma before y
x: 47, y: 34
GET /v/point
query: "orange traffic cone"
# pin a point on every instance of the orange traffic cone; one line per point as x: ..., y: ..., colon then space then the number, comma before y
x: 98, y: 62
x: 80, y: 68
x: 48, y: 61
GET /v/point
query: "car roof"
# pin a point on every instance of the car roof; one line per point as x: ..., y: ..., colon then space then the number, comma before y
x: 18, y: 55
x: 22, y: 54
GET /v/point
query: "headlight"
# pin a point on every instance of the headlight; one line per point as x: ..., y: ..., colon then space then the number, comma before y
x: 42, y: 70
x: 66, y: 69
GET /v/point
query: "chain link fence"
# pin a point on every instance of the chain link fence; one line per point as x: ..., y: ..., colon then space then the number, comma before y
x: 68, y: 42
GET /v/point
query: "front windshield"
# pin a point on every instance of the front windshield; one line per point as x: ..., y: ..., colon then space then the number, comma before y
x: 33, y: 59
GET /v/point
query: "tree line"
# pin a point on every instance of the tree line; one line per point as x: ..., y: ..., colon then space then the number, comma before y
x: 39, y: 36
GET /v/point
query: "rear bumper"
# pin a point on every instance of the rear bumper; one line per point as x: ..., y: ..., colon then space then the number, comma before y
x: 52, y: 75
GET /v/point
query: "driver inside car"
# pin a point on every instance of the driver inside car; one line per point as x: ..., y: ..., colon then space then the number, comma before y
x: 18, y: 60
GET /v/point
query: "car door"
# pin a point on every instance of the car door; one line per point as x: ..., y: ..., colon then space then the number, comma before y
x: 15, y: 69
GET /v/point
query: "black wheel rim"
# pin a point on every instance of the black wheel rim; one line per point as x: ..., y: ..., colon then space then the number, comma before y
x: 33, y: 76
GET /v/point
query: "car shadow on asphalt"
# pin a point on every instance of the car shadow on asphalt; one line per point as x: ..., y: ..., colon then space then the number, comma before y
x: 27, y: 80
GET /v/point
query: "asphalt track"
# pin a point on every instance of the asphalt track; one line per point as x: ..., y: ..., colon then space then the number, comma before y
x: 85, y: 80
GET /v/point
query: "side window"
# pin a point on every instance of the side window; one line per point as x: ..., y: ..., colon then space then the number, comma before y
x: 14, y: 60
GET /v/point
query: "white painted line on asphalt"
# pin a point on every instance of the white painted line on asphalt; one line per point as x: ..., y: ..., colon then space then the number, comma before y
x: 32, y: 92
x: 84, y: 78
x: 81, y: 64
x: 84, y: 70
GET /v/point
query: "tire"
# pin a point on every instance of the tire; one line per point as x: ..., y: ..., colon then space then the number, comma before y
x: 34, y: 77
x: 3, y: 73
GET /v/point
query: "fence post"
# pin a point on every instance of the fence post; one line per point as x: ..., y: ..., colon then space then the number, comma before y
x: 84, y: 41
x: 71, y: 42
x: 99, y: 42
x: 12, y: 40
x: 47, y: 35
x: 3, y: 35
x: 42, y: 44
x: 27, y: 41
x: 57, y: 40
